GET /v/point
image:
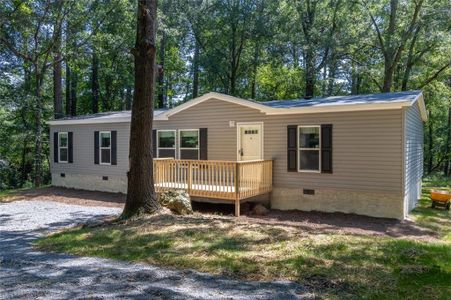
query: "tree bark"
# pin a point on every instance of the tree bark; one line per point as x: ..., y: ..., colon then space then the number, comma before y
x: 254, y: 71
x: 38, y: 129
x: 95, y: 81
x: 128, y: 98
x: 161, y: 103
x: 57, y: 81
x: 141, y: 197
x: 73, y: 94
x: 446, y: 166
x: 196, y: 70
x: 309, y: 74
x: 430, y: 143
x: 68, y: 88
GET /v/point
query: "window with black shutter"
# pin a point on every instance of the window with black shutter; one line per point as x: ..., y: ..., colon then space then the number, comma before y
x: 63, y: 147
x: 309, y: 148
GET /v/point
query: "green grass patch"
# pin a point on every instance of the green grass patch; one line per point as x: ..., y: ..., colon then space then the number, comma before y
x: 436, y: 219
x: 333, y: 265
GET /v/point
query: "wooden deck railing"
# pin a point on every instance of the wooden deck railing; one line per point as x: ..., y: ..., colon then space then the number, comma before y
x: 214, y: 179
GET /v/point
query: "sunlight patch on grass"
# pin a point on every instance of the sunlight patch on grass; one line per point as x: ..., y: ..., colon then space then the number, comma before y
x: 333, y: 265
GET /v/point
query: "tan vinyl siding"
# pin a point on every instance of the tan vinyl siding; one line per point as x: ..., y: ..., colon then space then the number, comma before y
x: 367, y: 145
x: 83, y: 149
x: 413, y: 156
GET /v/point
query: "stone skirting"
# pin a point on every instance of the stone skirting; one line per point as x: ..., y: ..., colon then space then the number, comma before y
x: 327, y: 200
x: 114, y: 184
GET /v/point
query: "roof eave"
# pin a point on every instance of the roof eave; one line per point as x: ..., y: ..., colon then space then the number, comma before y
x: 89, y: 121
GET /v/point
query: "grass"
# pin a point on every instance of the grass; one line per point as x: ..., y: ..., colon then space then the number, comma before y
x: 16, y: 194
x: 9, y: 195
x: 332, y: 265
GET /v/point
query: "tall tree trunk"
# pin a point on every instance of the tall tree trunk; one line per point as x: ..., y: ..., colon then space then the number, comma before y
x: 309, y: 74
x: 38, y: 129
x: 196, y: 70
x: 106, y: 100
x: 57, y: 82
x: 430, y: 144
x: 446, y: 167
x: 68, y: 88
x: 161, y: 88
x: 254, y: 71
x: 128, y: 98
x: 141, y: 197
x: 73, y: 94
x: 95, y: 81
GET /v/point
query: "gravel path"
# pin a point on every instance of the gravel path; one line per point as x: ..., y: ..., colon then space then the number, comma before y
x: 29, y: 274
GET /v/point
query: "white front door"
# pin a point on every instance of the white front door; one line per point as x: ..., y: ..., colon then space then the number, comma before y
x: 250, y: 141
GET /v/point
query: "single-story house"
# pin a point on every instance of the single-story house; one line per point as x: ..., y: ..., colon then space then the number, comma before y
x: 358, y: 154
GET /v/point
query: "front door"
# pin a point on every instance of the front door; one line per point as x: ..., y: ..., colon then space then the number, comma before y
x: 250, y: 141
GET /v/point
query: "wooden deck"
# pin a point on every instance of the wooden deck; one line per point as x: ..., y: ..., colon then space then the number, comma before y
x: 227, y: 180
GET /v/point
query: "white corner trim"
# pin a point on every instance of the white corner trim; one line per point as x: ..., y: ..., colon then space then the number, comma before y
x: 422, y: 106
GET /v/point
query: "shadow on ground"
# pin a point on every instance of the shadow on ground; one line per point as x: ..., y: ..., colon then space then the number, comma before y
x: 26, y: 273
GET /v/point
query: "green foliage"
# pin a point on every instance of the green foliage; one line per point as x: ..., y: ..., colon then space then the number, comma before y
x: 263, y: 49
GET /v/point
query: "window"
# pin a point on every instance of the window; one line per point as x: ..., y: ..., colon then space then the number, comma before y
x: 63, y: 147
x: 166, y: 143
x: 189, y: 144
x: 105, y: 147
x: 309, y: 147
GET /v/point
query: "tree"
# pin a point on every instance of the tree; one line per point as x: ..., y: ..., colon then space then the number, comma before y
x: 42, y: 26
x: 141, y: 197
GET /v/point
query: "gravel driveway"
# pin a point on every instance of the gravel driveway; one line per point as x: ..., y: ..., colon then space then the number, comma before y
x: 26, y: 273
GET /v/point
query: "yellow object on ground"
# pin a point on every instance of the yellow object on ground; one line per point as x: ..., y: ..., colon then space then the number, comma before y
x: 441, y: 198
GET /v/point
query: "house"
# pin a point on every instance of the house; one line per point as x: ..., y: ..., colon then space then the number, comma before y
x: 358, y: 154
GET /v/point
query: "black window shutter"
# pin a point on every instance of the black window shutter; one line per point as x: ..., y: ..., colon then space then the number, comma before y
x: 96, y: 147
x: 70, y: 146
x: 326, y: 148
x: 114, y: 147
x: 292, y: 157
x: 55, y: 147
x: 154, y: 143
x: 203, y: 143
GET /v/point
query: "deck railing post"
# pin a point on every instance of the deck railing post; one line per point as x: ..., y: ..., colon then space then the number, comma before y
x: 237, y: 181
x: 190, y: 176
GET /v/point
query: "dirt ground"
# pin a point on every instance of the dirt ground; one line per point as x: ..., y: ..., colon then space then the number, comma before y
x: 311, y: 222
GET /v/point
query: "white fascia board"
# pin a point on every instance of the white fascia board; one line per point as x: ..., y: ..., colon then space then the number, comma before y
x: 105, y: 120
x: 338, y: 108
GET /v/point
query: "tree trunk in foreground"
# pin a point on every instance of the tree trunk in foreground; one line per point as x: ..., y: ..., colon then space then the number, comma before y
x: 141, y: 197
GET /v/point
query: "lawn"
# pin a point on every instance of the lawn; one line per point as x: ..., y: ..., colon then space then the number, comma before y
x: 332, y: 264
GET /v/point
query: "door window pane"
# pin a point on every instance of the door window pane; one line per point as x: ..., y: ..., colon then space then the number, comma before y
x: 309, y: 160
x: 309, y: 137
x: 189, y: 139
x: 166, y: 139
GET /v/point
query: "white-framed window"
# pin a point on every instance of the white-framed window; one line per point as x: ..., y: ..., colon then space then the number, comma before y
x: 63, y: 147
x: 189, y: 143
x: 166, y: 143
x: 105, y: 147
x: 309, y: 148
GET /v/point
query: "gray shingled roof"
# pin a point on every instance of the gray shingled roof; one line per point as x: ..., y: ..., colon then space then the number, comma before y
x: 109, y: 115
x: 345, y: 100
